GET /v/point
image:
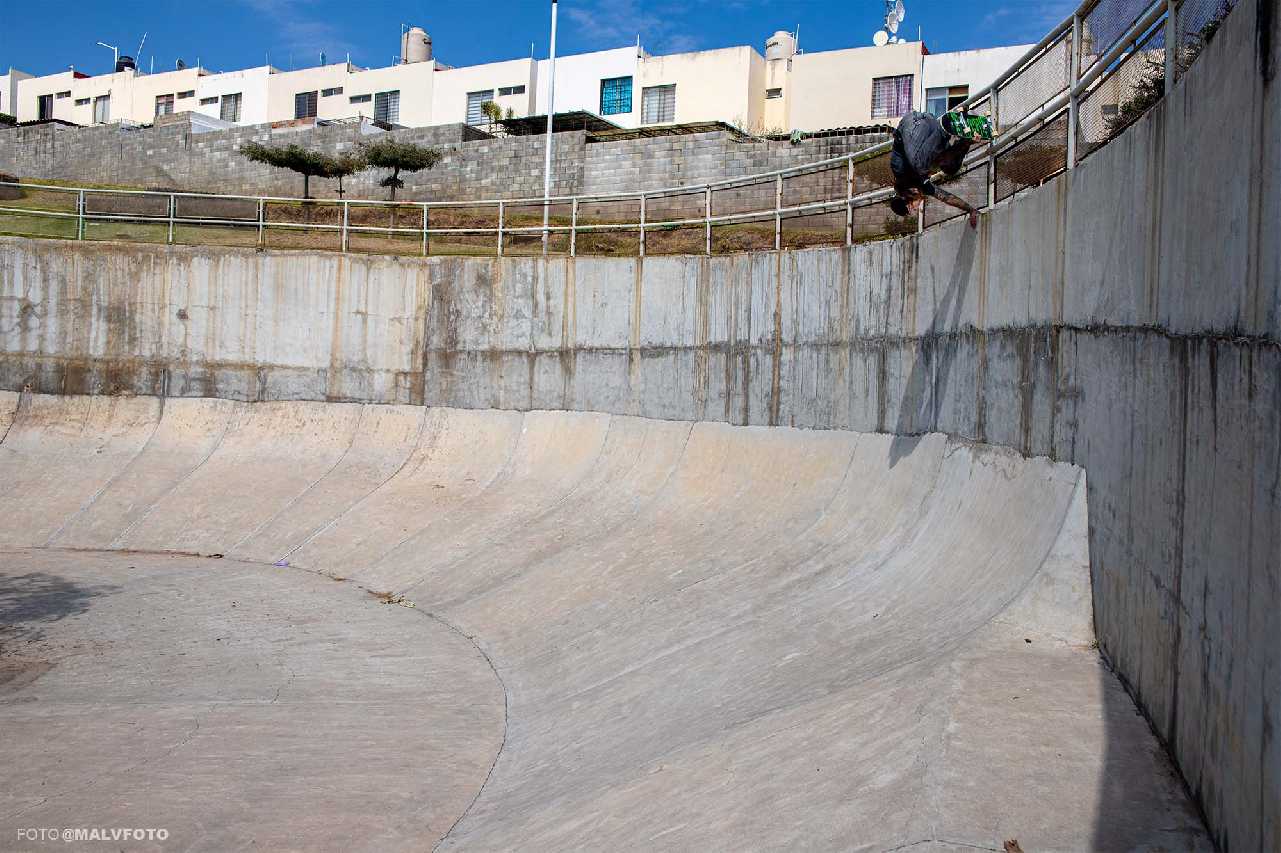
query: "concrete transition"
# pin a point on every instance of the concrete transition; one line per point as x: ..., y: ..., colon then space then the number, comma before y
x: 806, y: 626
x: 612, y: 632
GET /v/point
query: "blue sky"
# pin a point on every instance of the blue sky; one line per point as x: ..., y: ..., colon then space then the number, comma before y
x: 45, y: 37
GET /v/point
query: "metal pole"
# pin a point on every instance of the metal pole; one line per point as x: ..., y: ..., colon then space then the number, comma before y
x: 991, y: 160
x: 1171, y: 43
x: 500, y: 229
x: 424, y: 230
x: 849, y: 202
x: 573, y: 227
x: 778, y: 214
x: 172, y: 204
x: 1073, y: 98
x: 344, y: 225
x: 261, y: 220
x: 707, y: 218
x: 642, y: 225
x: 80, y: 215
x: 551, y: 110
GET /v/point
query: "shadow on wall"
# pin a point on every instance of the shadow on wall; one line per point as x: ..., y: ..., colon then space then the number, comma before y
x: 932, y: 360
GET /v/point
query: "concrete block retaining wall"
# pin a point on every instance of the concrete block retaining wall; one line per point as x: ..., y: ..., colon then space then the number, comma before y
x: 1125, y: 317
x: 170, y: 156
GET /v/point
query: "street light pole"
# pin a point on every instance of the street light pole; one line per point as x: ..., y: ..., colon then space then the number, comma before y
x: 115, y: 54
x: 551, y: 110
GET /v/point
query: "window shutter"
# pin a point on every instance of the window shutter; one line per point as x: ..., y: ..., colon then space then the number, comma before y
x: 474, y: 99
x: 387, y: 107
x: 658, y: 104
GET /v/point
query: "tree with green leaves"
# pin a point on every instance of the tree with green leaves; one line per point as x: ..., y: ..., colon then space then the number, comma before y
x: 345, y: 165
x: 304, y: 161
x: 388, y: 153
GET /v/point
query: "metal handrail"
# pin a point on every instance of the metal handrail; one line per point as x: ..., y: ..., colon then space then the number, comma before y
x: 1068, y: 96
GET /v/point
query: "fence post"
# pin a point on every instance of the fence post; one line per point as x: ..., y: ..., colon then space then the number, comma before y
x: 262, y: 204
x: 546, y: 216
x: 80, y: 215
x: 642, y: 225
x: 778, y: 212
x: 424, y: 229
x: 344, y: 226
x: 173, y: 203
x: 1074, y: 97
x: 1171, y: 43
x: 991, y: 158
x: 500, y: 228
x: 573, y: 227
x: 849, y: 201
x: 707, y: 218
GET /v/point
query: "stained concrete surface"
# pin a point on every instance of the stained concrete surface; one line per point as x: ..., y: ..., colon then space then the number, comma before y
x: 701, y: 636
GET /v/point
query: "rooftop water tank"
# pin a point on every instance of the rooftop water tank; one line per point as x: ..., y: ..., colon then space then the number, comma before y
x: 125, y: 63
x: 781, y: 45
x: 415, y: 45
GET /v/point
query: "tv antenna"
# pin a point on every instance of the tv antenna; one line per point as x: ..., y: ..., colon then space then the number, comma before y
x: 895, y: 12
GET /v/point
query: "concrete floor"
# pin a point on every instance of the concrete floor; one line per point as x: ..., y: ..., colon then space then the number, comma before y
x: 613, y: 633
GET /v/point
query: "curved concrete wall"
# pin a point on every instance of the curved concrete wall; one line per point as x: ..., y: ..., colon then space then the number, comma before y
x: 1125, y: 317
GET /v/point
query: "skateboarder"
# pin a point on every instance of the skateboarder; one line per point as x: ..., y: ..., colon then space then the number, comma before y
x: 923, y: 143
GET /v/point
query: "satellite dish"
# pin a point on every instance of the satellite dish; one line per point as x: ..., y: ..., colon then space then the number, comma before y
x: 899, y: 11
x: 881, y: 38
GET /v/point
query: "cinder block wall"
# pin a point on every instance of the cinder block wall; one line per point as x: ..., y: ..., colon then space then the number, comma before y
x: 169, y: 156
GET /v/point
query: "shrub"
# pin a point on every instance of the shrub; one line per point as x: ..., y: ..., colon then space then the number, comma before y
x: 388, y: 153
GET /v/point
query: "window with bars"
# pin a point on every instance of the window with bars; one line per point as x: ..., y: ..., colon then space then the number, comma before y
x: 230, y: 109
x: 892, y: 96
x: 164, y: 105
x: 305, y: 105
x: 475, y: 115
x: 102, y: 109
x: 658, y: 104
x: 387, y: 107
x: 615, y: 96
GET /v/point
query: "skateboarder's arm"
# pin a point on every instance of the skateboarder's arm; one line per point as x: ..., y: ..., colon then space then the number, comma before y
x: 959, y: 203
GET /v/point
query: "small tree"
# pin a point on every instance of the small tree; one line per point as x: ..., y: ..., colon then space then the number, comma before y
x: 304, y: 161
x: 345, y: 165
x: 388, y: 153
x: 494, y: 113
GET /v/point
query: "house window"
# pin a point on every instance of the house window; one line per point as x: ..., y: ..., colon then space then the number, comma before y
x: 44, y: 107
x: 208, y: 102
x: 892, y: 96
x: 62, y: 95
x: 329, y: 93
x: 190, y: 93
x: 475, y: 115
x: 511, y: 90
x: 230, y: 110
x: 774, y: 93
x: 164, y: 105
x: 658, y: 104
x: 387, y: 107
x: 305, y: 105
x: 102, y: 109
x: 615, y: 96
x: 940, y: 99
x: 82, y: 102
x: 360, y: 99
